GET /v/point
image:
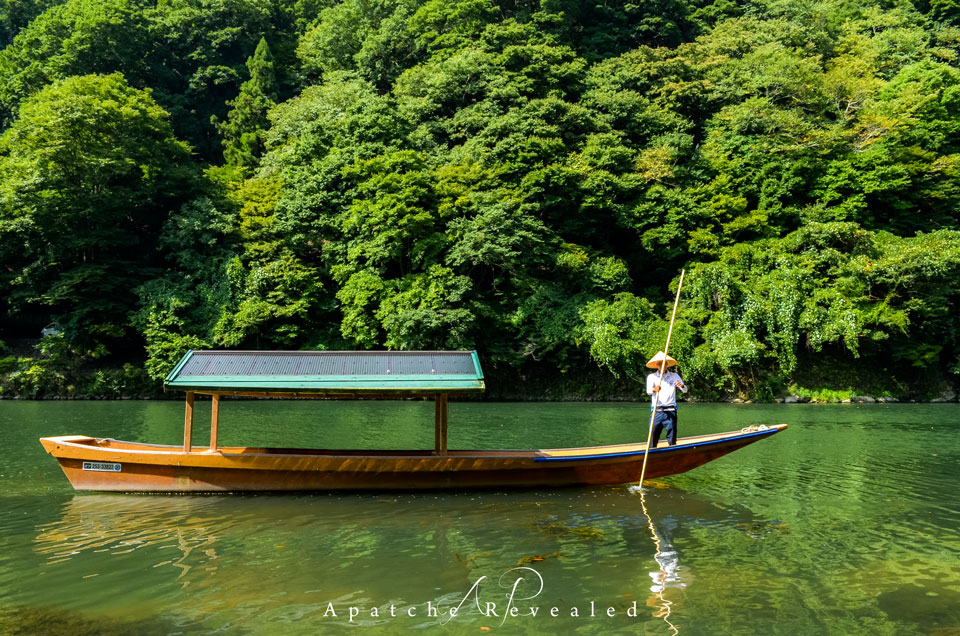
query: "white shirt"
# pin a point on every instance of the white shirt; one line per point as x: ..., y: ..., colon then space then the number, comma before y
x: 668, y: 390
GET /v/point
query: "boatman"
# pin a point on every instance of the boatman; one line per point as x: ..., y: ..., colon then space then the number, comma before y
x: 666, y: 390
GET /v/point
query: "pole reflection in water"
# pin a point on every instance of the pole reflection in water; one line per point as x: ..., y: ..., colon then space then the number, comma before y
x: 667, y: 558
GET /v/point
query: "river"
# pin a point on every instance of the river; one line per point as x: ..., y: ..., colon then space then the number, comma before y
x: 846, y: 523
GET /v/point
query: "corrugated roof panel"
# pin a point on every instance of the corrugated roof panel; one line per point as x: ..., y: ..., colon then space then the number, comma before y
x: 454, y: 365
x: 328, y: 371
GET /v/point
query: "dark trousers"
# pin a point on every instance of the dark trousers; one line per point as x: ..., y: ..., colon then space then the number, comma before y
x: 664, y: 420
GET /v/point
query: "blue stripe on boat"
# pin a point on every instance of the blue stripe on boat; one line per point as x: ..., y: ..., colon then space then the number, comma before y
x: 652, y: 450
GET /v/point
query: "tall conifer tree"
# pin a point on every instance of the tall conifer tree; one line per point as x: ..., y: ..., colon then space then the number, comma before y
x: 245, y: 127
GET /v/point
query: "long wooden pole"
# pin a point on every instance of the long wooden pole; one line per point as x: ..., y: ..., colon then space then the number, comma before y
x: 656, y: 394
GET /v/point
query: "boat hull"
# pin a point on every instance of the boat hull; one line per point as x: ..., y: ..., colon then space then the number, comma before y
x: 111, y: 465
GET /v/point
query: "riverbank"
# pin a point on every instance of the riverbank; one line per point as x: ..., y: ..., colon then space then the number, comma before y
x: 49, y: 369
x: 38, y: 379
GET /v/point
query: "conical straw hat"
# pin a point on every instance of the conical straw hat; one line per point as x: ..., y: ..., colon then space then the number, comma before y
x: 654, y: 362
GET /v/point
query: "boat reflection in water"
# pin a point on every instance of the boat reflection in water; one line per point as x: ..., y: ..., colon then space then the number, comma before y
x: 262, y: 562
x: 114, y: 525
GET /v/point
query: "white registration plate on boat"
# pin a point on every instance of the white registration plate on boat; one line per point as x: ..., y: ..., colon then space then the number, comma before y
x: 105, y: 467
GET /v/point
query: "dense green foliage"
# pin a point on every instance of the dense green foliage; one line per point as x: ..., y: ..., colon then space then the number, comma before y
x: 89, y: 170
x: 524, y: 177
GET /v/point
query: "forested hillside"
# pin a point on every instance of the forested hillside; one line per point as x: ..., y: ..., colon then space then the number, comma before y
x: 526, y: 178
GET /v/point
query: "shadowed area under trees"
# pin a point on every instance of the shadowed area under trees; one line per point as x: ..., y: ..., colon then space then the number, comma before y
x: 525, y: 178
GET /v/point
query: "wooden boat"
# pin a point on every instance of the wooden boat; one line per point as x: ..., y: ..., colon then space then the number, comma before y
x: 111, y: 465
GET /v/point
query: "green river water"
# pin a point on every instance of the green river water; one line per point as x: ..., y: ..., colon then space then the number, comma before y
x: 846, y: 523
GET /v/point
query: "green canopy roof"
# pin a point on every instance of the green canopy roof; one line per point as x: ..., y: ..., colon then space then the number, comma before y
x: 328, y: 372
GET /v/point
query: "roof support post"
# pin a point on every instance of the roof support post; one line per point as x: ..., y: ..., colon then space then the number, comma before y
x: 440, y: 423
x: 188, y: 424
x: 214, y: 421
x: 437, y: 426
x: 443, y: 425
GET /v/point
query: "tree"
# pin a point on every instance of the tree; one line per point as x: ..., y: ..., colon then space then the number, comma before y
x: 190, y: 52
x: 179, y: 309
x: 244, y: 130
x: 367, y: 36
x: 831, y: 286
x: 16, y: 14
x: 90, y: 170
x: 78, y: 37
x: 196, y: 61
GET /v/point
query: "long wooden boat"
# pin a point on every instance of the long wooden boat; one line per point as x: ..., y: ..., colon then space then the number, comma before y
x: 110, y: 465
